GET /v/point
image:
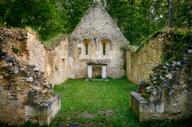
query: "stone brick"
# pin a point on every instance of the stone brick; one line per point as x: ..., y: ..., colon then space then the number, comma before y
x: 141, y: 62
x: 96, y: 28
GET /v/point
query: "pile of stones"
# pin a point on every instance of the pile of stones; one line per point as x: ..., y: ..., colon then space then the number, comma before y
x: 169, y: 78
x: 18, y: 76
x: 15, y: 74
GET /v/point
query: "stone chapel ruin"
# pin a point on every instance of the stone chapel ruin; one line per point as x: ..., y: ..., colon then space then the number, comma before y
x: 95, y: 49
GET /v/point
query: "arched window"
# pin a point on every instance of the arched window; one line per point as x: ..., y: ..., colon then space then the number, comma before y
x: 105, y: 46
x: 104, y: 49
x: 86, y: 46
x: 86, y: 49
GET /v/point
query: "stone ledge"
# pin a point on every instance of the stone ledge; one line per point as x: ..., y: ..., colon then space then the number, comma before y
x: 43, y: 114
x: 144, y: 109
x: 97, y: 80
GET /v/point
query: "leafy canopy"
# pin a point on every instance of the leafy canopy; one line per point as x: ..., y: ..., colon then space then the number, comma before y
x: 137, y: 19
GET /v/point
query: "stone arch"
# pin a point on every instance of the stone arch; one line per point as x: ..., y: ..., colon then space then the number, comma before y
x: 87, y: 46
x: 105, y: 46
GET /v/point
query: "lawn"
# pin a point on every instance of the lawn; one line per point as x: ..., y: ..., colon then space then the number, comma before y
x: 89, y: 103
x: 99, y: 104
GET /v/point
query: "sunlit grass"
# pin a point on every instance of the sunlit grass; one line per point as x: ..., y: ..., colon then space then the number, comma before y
x: 85, y: 97
x: 79, y: 97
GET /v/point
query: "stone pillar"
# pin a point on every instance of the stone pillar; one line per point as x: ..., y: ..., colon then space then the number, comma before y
x: 89, y: 71
x: 104, y: 72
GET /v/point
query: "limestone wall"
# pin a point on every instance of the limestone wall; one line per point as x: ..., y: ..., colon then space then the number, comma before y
x: 141, y: 63
x: 28, y: 48
x: 52, y: 61
x: 25, y: 94
x: 97, y: 26
x: 166, y: 94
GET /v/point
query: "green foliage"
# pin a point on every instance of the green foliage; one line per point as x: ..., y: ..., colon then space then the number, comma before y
x: 182, y: 13
x: 177, y: 46
x: 137, y: 19
x: 185, y: 122
x: 41, y: 15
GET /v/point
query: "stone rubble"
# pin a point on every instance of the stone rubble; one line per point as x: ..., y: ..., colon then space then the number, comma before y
x: 169, y: 88
x: 167, y: 92
x: 18, y: 72
x: 166, y: 77
x: 23, y: 89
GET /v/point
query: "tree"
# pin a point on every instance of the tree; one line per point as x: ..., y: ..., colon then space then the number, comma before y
x: 42, y: 15
x: 137, y: 19
x: 170, y: 11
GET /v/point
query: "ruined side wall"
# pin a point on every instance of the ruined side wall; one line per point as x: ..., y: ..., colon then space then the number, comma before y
x: 28, y: 48
x: 57, y: 63
x: 24, y: 91
x: 167, y: 93
x: 53, y: 62
x: 141, y: 63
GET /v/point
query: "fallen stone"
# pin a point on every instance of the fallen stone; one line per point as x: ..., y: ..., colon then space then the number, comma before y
x: 16, y: 70
x: 109, y: 112
x: 169, y: 76
x: 87, y: 115
x: 29, y: 79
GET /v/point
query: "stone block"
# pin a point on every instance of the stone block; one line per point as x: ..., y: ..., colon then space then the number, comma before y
x: 144, y: 109
x: 43, y: 114
x: 104, y: 72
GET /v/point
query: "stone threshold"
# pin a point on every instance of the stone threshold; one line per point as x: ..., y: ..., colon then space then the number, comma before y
x: 97, y: 80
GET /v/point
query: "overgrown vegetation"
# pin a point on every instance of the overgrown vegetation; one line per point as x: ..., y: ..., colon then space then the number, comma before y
x: 137, y: 19
x: 178, y: 45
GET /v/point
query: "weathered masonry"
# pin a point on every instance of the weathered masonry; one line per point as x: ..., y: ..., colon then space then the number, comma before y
x: 141, y: 62
x: 24, y: 91
x: 95, y: 47
x: 168, y: 87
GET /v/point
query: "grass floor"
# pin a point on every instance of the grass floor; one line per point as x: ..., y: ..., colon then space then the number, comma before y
x: 95, y: 103
x: 100, y: 104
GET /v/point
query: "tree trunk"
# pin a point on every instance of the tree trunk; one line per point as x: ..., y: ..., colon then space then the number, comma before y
x: 170, y: 12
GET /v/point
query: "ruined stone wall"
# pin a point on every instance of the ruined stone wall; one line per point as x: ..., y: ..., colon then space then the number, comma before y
x: 25, y: 94
x: 53, y: 61
x: 166, y: 94
x: 57, y: 63
x: 141, y: 63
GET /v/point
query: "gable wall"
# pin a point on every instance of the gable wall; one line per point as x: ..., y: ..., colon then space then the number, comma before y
x: 96, y: 25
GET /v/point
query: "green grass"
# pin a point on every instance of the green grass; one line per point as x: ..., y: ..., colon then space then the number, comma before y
x: 80, y: 97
